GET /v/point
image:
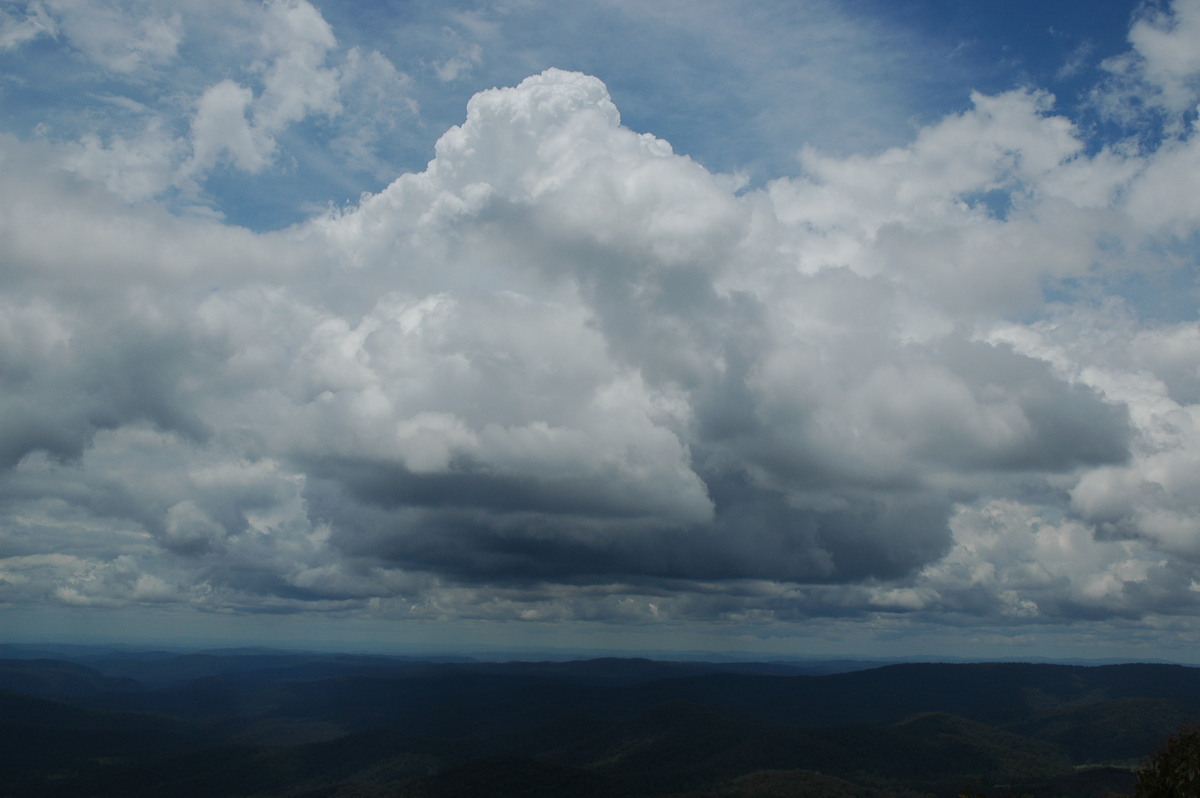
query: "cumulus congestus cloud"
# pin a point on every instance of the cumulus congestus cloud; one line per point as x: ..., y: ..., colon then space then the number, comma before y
x: 565, y: 373
x: 562, y: 355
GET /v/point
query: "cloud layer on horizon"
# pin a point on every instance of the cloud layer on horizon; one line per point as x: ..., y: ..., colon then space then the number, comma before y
x: 565, y: 373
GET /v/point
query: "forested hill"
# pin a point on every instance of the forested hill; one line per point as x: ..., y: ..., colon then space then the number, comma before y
x: 271, y: 723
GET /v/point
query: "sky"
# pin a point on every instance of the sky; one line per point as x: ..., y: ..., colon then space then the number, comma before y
x: 797, y: 329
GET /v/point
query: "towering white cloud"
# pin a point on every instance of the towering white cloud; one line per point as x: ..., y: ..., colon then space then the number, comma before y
x: 564, y: 372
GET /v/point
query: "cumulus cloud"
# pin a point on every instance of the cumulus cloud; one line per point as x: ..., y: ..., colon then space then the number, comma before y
x: 1158, y: 73
x: 1164, y: 56
x: 274, y: 66
x: 232, y: 120
x: 565, y: 373
x: 452, y: 68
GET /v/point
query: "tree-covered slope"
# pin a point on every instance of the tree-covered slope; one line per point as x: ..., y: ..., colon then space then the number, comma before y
x: 273, y: 724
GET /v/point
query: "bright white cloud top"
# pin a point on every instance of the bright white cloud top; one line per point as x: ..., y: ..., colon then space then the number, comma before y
x: 942, y: 378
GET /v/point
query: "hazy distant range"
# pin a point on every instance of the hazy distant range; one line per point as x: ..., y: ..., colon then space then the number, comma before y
x: 257, y: 722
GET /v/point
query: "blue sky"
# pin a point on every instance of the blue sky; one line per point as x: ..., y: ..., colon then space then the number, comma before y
x: 734, y: 87
x: 790, y: 328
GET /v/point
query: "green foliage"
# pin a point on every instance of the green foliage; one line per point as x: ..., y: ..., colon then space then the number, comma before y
x: 1174, y: 771
x: 357, y: 729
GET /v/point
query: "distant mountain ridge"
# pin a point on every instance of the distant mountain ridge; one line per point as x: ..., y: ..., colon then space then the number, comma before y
x: 56, y: 677
x: 273, y: 723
